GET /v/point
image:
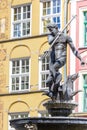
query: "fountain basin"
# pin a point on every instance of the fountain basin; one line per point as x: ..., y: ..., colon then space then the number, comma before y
x: 60, y: 108
x: 50, y: 123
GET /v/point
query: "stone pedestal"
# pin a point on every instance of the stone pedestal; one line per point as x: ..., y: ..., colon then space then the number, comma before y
x: 59, y: 108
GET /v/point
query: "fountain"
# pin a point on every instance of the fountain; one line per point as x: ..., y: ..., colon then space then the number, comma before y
x: 60, y: 104
x: 60, y: 111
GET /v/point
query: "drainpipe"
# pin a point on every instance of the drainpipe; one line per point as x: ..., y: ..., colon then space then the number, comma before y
x: 66, y: 2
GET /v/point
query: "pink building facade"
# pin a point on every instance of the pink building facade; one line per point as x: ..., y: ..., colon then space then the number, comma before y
x: 78, y: 32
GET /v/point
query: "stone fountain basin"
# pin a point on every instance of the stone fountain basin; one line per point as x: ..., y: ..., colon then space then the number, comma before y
x: 60, y: 108
x: 50, y: 123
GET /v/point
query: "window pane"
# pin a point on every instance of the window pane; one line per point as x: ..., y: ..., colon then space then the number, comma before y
x: 19, y: 9
x: 54, y: 10
x: 25, y: 82
x: 49, y: 4
x: 85, y: 79
x: 44, y: 5
x: 19, y: 16
x: 57, y: 21
x: 85, y: 28
x: 46, y: 8
x: 48, y: 11
x: 44, y: 71
x: 45, y: 63
x: 24, y: 9
x: 58, y: 9
x: 43, y: 82
x: 17, y: 30
x: 86, y: 34
x: 28, y: 8
x: 85, y: 13
x: 85, y: 91
x: 24, y: 15
x: 15, y: 83
x: 47, y: 66
x: 26, y: 28
x: 24, y: 25
x: 15, y: 67
x: 17, y: 13
x: 28, y: 15
x: 26, y: 12
x: 45, y: 22
x: 15, y: 17
x: 85, y: 99
x: 25, y: 66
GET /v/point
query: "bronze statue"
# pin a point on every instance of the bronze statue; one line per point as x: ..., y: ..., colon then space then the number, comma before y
x: 68, y: 92
x: 57, y: 58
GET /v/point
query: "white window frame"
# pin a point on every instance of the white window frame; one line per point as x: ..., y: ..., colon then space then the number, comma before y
x: 19, y: 75
x: 81, y: 26
x: 40, y: 73
x: 20, y: 21
x: 48, y: 16
x: 81, y: 94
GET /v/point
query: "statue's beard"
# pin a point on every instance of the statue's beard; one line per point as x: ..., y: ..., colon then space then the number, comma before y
x: 54, y: 32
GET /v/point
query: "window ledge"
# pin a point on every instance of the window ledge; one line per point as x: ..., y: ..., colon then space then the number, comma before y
x: 20, y: 93
x: 22, y: 38
x: 84, y: 47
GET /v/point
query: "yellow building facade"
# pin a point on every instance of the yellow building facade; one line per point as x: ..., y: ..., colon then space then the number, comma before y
x: 23, y: 40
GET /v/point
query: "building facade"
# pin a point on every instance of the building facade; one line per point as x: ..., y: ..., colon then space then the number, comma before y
x: 80, y: 41
x: 23, y: 40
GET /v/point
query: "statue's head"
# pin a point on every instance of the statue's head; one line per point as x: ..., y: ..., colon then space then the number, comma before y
x: 52, y: 25
x: 53, y: 28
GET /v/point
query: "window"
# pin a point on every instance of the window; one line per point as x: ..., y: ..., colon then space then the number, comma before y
x: 17, y: 116
x: 85, y: 91
x: 51, y: 12
x: 44, y: 71
x: 21, y: 21
x: 43, y: 114
x: 85, y: 28
x: 20, y: 74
